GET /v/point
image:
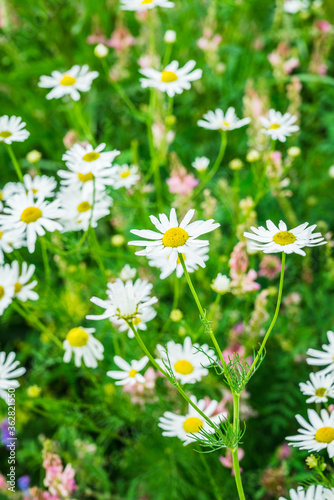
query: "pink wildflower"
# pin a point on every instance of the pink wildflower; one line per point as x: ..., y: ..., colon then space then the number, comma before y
x: 227, y: 461
x: 270, y: 266
x: 181, y: 182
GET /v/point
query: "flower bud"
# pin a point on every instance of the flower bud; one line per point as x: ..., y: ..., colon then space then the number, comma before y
x: 101, y: 51
x: 33, y: 156
x: 170, y: 36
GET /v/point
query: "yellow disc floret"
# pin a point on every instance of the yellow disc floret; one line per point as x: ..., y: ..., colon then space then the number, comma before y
x: 168, y: 76
x: 1, y: 234
x: 320, y: 392
x: 77, y: 337
x: 2, y: 292
x: 183, y: 366
x: 17, y: 287
x: 274, y: 126
x: 175, y: 237
x: 67, y: 80
x: 192, y: 425
x: 84, y: 207
x: 132, y: 373
x: 125, y: 174
x: 31, y: 214
x: 5, y: 134
x: 92, y: 156
x: 284, y: 238
x: 325, y: 435
x: 85, y: 177
x: 146, y: 1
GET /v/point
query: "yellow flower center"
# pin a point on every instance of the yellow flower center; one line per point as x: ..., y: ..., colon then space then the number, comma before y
x: 274, y: 126
x: 1, y: 196
x: 183, y: 366
x: 92, y: 156
x: 2, y: 292
x: 325, y: 435
x: 175, y: 237
x: 125, y: 174
x: 132, y: 373
x: 77, y: 337
x: 284, y: 238
x: 31, y: 214
x: 320, y: 392
x: 168, y: 76
x: 136, y: 321
x: 84, y: 207
x: 5, y: 134
x: 146, y: 1
x: 1, y: 234
x: 85, y: 177
x: 192, y: 425
x: 17, y: 287
x: 34, y: 190
x: 67, y: 81
x: 226, y: 124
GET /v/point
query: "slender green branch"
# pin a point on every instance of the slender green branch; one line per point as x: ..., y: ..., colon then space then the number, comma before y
x: 235, y: 456
x: 15, y: 162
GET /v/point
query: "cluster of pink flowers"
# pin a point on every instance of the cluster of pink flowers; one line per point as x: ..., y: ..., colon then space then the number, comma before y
x: 243, y: 281
x: 59, y: 480
x: 209, y: 41
x: 120, y: 39
x: 281, y: 60
x: 180, y: 182
x: 270, y: 266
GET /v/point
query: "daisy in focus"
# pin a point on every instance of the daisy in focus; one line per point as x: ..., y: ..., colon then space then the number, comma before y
x: 78, y: 78
x: 278, y: 239
x: 312, y: 493
x: 218, y: 120
x: 187, y: 361
x: 139, y: 5
x: 10, y: 240
x: 323, y: 358
x: 279, y: 126
x: 129, y: 373
x: 23, y: 290
x: 320, y: 387
x: 168, y: 265
x: 7, y: 286
x: 174, y: 238
x: 32, y: 217
x: 185, y: 427
x: 172, y: 80
x: 12, y: 129
x: 80, y: 342
x: 125, y: 176
x: 9, y: 371
x: 125, y: 301
x: 316, y: 435
x: 88, y: 156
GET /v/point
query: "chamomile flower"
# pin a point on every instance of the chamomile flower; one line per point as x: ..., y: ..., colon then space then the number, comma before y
x: 9, y: 240
x: 279, y: 239
x: 129, y: 373
x: 312, y: 493
x: 23, y: 289
x: 78, y: 78
x: 185, y: 427
x: 320, y: 387
x: 80, y: 342
x: 8, y: 372
x: 125, y: 300
x: 316, y: 435
x: 187, y: 361
x: 127, y: 273
x: 174, y: 238
x: 80, y: 210
x: 33, y: 217
x: 139, y: 321
x: 12, y: 129
x: 323, y: 358
x: 221, y: 284
x: 279, y: 126
x: 201, y: 163
x: 40, y: 185
x: 83, y: 178
x: 218, y: 120
x: 170, y: 263
x: 125, y: 176
x: 88, y: 156
x: 172, y: 80
x: 7, y: 286
x: 139, y: 5
x: 9, y: 190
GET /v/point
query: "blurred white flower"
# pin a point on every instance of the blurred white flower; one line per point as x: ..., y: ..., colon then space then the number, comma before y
x: 78, y: 78
x: 12, y: 129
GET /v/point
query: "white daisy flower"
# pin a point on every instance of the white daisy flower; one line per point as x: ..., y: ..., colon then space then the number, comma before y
x: 81, y: 177
x: 125, y: 176
x: 80, y: 342
x: 325, y: 357
x: 9, y: 371
x: 221, y: 284
x: 139, y: 321
x: 279, y: 126
x: 130, y: 371
x: 316, y: 435
x: 312, y: 493
x: 187, y: 361
x: 10, y: 240
x: 78, y: 78
x: 294, y: 6
x: 127, y: 273
x: 278, y: 239
x: 7, y: 286
x: 320, y: 387
x: 24, y: 290
x: 174, y: 238
x: 172, y: 80
x: 185, y: 427
x: 171, y: 262
x: 12, y: 129
x: 139, y: 5
x: 88, y: 156
x: 201, y: 163
x: 9, y: 190
x: 79, y: 211
x: 40, y: 185
x: 125, y: 300
x: 218, y: 120
x: 33, y: 217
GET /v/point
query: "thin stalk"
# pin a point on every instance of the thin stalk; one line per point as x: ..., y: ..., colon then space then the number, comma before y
x: 45, y: 261
x: 15, y: 162
x: 213, y: 171
x: 235, y: 457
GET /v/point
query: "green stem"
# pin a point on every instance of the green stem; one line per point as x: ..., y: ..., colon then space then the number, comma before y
x: 272, y: 324
x: 235, y: 457
x: 45, y: 261
x: 215, y: 488
x: 84, y: 127
x: 95, y: 247
x: 175, y: 302
x: 213, y: 171
x: 15, y: 162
